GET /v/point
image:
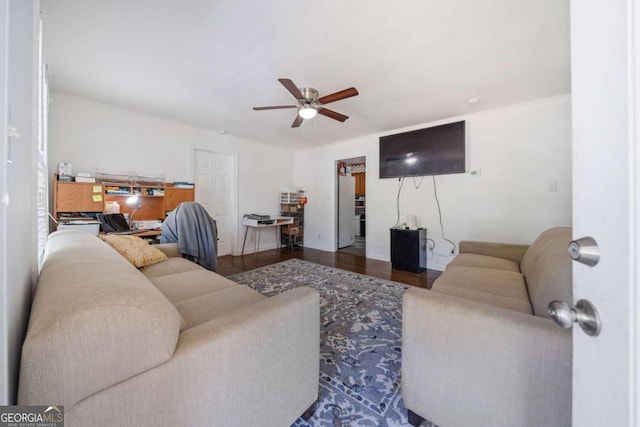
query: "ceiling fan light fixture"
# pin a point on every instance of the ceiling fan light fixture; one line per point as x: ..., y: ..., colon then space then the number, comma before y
x: 307, y: 112
x: 309, y: 104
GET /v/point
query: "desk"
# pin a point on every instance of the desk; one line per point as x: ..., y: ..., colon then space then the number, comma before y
x: 258, y: 225
x: 147, y: 233
x: 139, y: 233
x: 154, y: 234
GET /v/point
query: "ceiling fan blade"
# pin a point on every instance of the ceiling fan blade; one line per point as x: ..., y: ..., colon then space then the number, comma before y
x: 274, y: 107
x: 332, y: 114
x: 347, y: 93
x: 297, y: 122
x: 291, y: 87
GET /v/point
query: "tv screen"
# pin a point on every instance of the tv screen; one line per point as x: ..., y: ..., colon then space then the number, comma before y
x: 432, y: 151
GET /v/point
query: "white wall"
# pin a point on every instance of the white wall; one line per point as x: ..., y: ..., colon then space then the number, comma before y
x: 520, y: 151
x: 18, y: 244
x: 93, y: 135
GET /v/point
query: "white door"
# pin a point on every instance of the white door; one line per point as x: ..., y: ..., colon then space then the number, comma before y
x: 346, y: 210
x: 214, y: 176
x: 605, y: 197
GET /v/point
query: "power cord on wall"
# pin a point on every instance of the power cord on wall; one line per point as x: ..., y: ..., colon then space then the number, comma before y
x: 435, y: 193
x: 400, y: 182
x: 417, y: 185
x: 431, y: 244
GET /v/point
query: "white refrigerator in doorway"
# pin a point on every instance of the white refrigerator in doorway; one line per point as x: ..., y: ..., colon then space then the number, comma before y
x: 346, y: 210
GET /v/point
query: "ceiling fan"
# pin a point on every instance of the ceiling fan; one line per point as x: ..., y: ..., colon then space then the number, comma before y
x: 309, y: 104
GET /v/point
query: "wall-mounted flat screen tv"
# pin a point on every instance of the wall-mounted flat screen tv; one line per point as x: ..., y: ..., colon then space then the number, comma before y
x: 431, y: 151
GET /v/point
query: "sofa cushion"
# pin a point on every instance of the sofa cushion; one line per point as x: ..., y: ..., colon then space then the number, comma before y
x: 216, y: 304
x: 95, y: 321
x: 496, y: 287
x: 137, y: 251
x: 547, y: 269
x: 516, y: 304
x: 190, y: 284
x: 171, y: 266
x: 484, y: 261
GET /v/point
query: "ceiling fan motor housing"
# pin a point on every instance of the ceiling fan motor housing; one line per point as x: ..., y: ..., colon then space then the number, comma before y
x: 310, y: 94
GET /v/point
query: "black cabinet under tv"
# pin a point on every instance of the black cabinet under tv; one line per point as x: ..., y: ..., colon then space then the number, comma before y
x: 409, y: 249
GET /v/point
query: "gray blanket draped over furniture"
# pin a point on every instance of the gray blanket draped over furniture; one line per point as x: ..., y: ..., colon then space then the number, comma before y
x: 192, y: 228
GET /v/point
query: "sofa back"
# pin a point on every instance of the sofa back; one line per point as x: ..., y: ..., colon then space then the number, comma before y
x: 95, y: 321
x: 546, y: 267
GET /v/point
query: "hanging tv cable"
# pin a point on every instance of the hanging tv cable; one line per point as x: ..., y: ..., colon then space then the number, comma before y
x: 417, y: 185
x: 400, y: 182
x: 435, y: 193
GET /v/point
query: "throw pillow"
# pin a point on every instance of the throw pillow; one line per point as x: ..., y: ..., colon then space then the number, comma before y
x: 134, y: 249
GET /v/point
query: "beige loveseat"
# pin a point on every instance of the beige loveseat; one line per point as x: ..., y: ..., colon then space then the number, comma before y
x: 172, y: 344
x: 479, y: 349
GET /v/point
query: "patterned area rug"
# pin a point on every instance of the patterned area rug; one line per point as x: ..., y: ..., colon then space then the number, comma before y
x: 360, y: 342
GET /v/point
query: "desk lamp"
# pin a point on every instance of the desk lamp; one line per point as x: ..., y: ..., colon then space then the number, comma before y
x: 133, y: 201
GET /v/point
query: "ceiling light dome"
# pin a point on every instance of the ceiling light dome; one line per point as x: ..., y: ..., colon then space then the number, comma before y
x: 307, y: 112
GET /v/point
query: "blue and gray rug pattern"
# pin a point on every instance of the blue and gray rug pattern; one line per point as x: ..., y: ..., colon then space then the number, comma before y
x: 360, y: 343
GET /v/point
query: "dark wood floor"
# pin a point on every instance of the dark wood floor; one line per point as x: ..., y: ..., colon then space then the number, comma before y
x: 228, y: 265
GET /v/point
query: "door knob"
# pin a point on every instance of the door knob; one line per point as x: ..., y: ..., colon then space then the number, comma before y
x: 585, y: 250
x: 584, y: 314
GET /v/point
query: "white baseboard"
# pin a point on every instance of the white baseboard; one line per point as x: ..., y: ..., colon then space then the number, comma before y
x: 320, y: 248
x: 379, y: 257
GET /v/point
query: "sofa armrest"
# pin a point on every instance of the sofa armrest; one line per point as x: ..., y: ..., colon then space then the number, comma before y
x: 169, y: 249
x: 256, y: 366
x: 511, y: 251
x: 467, y: 363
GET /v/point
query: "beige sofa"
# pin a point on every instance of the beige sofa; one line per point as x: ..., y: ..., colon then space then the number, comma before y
x: 171, y: 344
x: 479, y: 349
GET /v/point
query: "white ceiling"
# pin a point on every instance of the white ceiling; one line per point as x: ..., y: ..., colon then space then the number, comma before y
x: 209, y: 62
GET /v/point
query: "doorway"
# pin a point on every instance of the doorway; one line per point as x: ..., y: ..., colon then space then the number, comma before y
x: 351, y: 205
x: 215, y: 180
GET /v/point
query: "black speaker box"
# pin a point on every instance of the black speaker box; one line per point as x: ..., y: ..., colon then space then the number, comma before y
x: 409, y: 249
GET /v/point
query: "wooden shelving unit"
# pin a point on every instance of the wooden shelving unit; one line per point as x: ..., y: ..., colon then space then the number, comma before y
x: 151, y: 199
x: 173, y: 196
x: 292, y: 205
x: 72, y: 197
x: 156, y: 199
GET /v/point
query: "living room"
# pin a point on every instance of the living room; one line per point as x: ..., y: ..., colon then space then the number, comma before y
x: 521, y: 151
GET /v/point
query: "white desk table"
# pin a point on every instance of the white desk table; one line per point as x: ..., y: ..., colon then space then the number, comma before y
x: 258, y: 225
